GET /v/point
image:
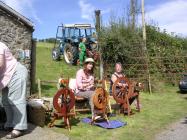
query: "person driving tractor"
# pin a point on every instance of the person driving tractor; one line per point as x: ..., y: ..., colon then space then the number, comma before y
x: 82, y: 51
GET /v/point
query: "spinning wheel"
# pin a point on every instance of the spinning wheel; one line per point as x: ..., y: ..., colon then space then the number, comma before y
x: 100, y: 98
x: 120, y: 91
x: 100, y: 101
x: 63, y: 102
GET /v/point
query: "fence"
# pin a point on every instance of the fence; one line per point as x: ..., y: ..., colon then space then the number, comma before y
x: 44, y: 82
x: 158, y: 68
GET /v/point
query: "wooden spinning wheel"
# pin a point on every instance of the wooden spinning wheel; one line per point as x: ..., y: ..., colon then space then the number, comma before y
x: 120, y: 91
x: 66, y: 98
x: 100, y: 98
x: 63, y: 102
x: 100, y: 101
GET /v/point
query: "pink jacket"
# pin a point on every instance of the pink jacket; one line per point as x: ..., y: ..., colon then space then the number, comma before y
x: 83, y: 82
x: 7, y: 65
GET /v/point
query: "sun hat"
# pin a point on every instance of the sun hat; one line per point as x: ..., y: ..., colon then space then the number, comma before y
x: 89, y: 60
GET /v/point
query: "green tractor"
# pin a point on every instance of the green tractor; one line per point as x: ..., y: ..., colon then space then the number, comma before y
x: 67, y: 42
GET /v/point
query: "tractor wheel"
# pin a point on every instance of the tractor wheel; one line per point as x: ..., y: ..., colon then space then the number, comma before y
x: 70, y: 54
x: 55, y: 54
x: 75, y: 55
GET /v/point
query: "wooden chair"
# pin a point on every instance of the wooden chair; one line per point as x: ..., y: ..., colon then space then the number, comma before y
x: 81, y: 103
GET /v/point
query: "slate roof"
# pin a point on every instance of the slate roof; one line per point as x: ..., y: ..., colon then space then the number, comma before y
x: 16, y: 15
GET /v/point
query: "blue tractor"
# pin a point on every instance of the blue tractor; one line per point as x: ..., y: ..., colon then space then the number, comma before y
x: 67, y: 41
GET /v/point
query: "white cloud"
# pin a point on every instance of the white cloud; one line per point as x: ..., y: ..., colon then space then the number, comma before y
x: 171, y: 16
x: 24, y: 7
x: 87, y: 9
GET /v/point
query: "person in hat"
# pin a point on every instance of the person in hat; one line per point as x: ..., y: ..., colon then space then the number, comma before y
x: 82, y: 51
x: 85, y: 81
x: 13, y: 81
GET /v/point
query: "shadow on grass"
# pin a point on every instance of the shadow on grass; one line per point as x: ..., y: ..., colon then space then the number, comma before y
x: 73, y: 122
x: 184, y: 121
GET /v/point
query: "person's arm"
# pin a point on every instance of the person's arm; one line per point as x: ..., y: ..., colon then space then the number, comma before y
x: 90, y: 85
x: 80, y: 47
x: 79, y: 80
x: 113, y: 78
x: 1, y: 58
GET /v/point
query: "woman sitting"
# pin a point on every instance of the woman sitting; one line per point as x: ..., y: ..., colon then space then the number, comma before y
x: 85, y: 82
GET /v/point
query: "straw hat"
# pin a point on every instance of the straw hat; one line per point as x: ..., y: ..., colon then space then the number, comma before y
x: 89, y: 60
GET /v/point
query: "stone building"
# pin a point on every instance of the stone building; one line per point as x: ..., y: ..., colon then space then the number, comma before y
x: 16, y: 32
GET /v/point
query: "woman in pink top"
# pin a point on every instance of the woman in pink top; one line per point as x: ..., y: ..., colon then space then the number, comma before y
x: 13, y: 77
x: 85, y: 82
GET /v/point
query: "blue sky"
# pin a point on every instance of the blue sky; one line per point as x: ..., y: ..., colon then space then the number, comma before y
x: 46, y: 15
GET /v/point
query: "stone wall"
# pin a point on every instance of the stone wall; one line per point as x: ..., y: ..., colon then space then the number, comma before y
x: 17, y: 36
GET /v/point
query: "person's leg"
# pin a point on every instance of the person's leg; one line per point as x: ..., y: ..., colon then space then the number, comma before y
x: 81, y: 58
x: 20, y: 117
x: 89, y: 96
x: 84, y: 58
x: 17, y: 97
x: 8, y: 109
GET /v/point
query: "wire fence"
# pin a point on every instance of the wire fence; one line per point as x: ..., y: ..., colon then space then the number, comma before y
x: 159, y: 69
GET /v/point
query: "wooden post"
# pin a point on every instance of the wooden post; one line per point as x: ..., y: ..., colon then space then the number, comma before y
x: 145, y: 47
x: 133, y: 13
x: 39, y: 89
x: 33, y: 66
x: 98, y: 27
x: 143, y: 25
x: 97, y: 24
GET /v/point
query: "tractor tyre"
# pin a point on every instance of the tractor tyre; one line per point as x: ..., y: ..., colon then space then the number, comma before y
x: 75, y: 55
x: 70, y: 54
x: 56, y: 54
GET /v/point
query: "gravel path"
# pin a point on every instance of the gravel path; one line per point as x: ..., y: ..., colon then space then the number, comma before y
x: 37, y: 133
x: 176, y: 131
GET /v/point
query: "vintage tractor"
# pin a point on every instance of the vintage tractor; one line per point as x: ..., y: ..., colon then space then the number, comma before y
x: 67, y: 41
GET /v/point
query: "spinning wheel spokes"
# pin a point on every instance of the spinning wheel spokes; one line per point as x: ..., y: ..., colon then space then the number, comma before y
x: 63, y: 102
x: 63, y: 97
x: 100, y: 98
x: 119, y: 92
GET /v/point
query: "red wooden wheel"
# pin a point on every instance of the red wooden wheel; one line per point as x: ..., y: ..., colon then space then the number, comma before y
x: 66, y: 98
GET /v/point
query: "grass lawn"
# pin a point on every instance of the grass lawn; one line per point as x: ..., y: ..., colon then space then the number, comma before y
x: 158, y: 109
x: 47, y: 69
